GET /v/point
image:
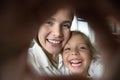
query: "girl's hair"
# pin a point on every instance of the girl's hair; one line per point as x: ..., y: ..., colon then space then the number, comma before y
x: 88, y: 42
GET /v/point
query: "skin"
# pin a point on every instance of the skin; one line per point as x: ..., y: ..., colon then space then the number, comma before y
x: 14, y: 69
x: 19, y: 21
x: 55, y: 32
x: 76, y: 55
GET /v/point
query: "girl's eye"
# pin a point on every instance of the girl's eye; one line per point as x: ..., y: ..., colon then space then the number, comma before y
x: 66, y: 49
x: 83, y: 48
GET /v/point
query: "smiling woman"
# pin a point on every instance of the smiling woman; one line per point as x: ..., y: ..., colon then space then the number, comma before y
x: 52, y: 36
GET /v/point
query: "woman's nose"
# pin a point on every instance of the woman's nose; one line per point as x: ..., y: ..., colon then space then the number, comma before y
x: 57, y: 31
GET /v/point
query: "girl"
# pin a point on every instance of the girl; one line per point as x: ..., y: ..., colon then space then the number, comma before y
x: 78, y: 54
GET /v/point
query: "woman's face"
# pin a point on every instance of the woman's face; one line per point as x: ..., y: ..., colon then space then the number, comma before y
x: 55, y: 31
x: 76, y: 55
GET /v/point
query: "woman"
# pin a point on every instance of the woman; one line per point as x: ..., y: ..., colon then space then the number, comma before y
x: 52, y: 36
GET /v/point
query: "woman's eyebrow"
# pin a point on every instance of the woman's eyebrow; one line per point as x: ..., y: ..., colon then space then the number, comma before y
x: 51, y: 18
x: 67, y: 21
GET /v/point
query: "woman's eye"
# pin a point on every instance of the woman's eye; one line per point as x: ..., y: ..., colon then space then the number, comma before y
x: 49, y: 22
x: 66, y: 26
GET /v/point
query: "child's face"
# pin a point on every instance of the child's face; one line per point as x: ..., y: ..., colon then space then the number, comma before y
x: 76, y: 55
x: 55, y: 31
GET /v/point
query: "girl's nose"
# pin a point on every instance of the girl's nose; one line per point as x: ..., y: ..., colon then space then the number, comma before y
x: 75, y: 52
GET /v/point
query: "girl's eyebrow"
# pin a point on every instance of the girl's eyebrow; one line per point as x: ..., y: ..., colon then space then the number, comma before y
x: 83, y: 43
x: 67, y: 45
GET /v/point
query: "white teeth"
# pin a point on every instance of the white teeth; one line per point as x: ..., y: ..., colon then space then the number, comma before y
x: 76, y: 64
x: 54, y: 41
x: 76, y: 61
